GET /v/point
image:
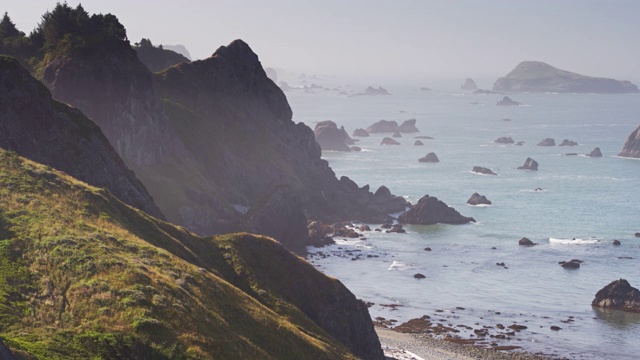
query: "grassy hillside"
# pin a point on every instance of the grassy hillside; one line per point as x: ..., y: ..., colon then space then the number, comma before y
x: 84, y: 276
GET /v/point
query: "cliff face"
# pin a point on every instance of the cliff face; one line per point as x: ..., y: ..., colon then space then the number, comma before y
x: 157, y: 58
x: 535, y: 76
x: 40, y: 128
x: 631, y: 147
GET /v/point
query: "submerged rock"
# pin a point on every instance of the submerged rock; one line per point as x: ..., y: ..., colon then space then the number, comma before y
x: 483, y: 170
x: 618, y: 295
x: 389, y: 141
x: 529, y: 164
x: 595, y: 152
x: 429, y: 210
x: 430, y: 157
x: 506, y: 101
x: 547, y: 142
x: 477, y: 199
x: 567, y: 142
x: 504, y: 140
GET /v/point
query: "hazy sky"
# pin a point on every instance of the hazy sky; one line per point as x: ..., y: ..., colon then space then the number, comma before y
x: 388, y: 39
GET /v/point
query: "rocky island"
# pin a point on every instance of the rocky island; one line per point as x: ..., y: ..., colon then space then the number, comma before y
x: 537, y: 77
x: 631, y: 147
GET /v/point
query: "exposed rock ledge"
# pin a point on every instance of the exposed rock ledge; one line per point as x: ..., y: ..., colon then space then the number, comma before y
x: 618, y: 295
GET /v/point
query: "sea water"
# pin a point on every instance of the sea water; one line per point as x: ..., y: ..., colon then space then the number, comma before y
x: 585, y: 204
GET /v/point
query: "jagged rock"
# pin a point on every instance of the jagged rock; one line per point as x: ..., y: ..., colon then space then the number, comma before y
x: 429, y: 210
x: 389, y: 141
x: 631, y: 146
x: 595, y: 152
x: 529, y: 164
x: 572, y: 264
x: 469, y: 84
x: 535, y: 76
x: 371, y: 91
x: 329, y: 137
x: 547, y: 142
x: 397, y: 228
x: 567, y: 142
x: 396, y: 135
x: 418, y: 143
x: 430, y: 158
x: 356, y: 148
x: 525, y: 242
x: 506, y: 101
x: 49, y: 132
x: 408, y: 126
x: 618, y: 295
x: 364, y: 227
x: 477, y: 199
x: 504, y: 140
x: 360, y: 133
x: 383, y: 126
x: 482, y: 170
x: 157, y: 58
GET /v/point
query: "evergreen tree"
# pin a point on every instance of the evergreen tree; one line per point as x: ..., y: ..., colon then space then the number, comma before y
x: 8, y: 28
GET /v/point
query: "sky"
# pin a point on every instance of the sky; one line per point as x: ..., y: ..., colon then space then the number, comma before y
x: 387, y: 39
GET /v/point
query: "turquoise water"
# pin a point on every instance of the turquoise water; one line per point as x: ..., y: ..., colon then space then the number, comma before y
x: 591, y: 199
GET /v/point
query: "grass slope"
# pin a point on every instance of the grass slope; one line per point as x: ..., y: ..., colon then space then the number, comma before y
x: 84, y: 276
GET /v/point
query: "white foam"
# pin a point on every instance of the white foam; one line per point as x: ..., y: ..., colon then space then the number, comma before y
x: 574, y: 241
x: 479, y: 205
x: 397, y: 265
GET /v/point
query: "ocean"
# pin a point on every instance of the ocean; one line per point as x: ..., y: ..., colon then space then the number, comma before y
x: 585, y: 204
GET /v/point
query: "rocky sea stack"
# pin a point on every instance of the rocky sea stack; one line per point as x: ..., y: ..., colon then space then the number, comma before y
x: 547, y: 142
x: 504, y: 140
x: 506, y: 101
x: 631, y: 147
x: 389, y: 141
x: 429, y: 210
x: 477, y: 199
x: 618, y: 295
x: 469, y: 84
x: 329, y: 137
x: 529, y: 164
x: 429, y: 158
x: 483, y: 170
x: 595, y: 152
x: 536, y: 77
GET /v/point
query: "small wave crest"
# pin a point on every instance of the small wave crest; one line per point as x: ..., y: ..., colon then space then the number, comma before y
x: 573, y: 241
x: 397, y: 265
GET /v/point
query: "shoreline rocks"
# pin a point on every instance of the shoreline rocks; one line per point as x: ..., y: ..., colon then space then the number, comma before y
x: 618, y: 295
x: 529, y: 164
x: 631, y: 146
x: 504, y: 140
x: 429, y: 158
x: 567, y: 142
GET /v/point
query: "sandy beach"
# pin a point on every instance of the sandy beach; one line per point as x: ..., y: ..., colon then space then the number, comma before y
x: 399, y: 346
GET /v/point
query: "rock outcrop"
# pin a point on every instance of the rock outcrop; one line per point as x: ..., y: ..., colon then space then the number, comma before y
x: 157, y: 58
x: 536, y: 77
x: 631, y: 146
x: 37, y: 127
x: 595, y: 152
x: 418, y: 143
x: 360, y: 133
x: 469, y: 84
x: 504, y: 140
x: 429, y: 158
x: 529, y: 164
x: 329, y: 137
x: 389, y: 141
x: 547, y: 142
x: 383, y: 126
x: 429, y: 210
x: 506, y: 101
x: 567, y: 142
x: 396, y: 135
x: 525, y: 242
x: 408, y: 126
x: 483, y: 170
x: 477, y: 199
x: 618, y: 295
x: 371, y: 91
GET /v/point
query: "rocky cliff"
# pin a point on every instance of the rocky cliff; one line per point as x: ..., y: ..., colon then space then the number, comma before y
x: 536, y: 76
x: 631, y: 147
x: 40, y: 128
x: 157, y: 58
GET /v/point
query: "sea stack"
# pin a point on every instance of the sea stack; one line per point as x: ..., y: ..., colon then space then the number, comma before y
x: 631, y: 147
x: 477, y: 199
x: 595, y: 152
x: 469, y: 84
x: 506, y: 101
x: 483, y: 170
x: 429, y: 210
x: 529, y: 164
x: 329, y: 137
x: 547, y: 142
x: 429, y: 158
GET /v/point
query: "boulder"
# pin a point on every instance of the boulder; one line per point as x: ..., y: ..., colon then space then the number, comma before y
x: 389, y: 141
x: 383, y: 126
x: 408, y: 126
x: 637, y: 234
x: 567, y: 142
x: 529, y: 164
x: 418, y: 143
x: 525, y: 242
x: 618, y: 295
x: 504, y: 140
x: 430, y: 158
x: 547, y: 142
x: 631, y: 146
x: 506, y: 101
x: 419, y: 276
x: 397, y: 228
x: 469, y: 84
x: 571, y: 265
x: 396, y: 135
x: 429, y: 210
x: 477, y: 199
x: 364, y: 227
x: 360, y: 133
x: 595, y: 152
x: 329, y: 137
x: 616, y: 242
x: 482, y: 170
x: 571, y: 154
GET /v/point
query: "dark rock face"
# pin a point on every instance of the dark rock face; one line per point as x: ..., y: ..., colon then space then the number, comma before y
x: 504, y: 140
x: 157, y: 58
x: 408, y: 126
x: 383, y: 126
x: 419, y: 276
x: 631, y: 146
x: 529, y: 164
x: 418, y: 143
x: 37, y: 127
x: 535, y: 76
x: 595, y: 152
x: 360, y: 133
x: 477, y: 199
x: 429, y: 158
x: 329, y: 137
x: 567, y: 142
x: 469, y: 84
x: 547, y: 142
x: 429, y: 210
x: 506, y: 101
x: 618, y: 295
x: 389, y: 141
x: 483, y: 170
x: 525, y: 242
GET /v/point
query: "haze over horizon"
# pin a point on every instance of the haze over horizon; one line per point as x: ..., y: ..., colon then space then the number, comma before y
x: 391, y: 41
